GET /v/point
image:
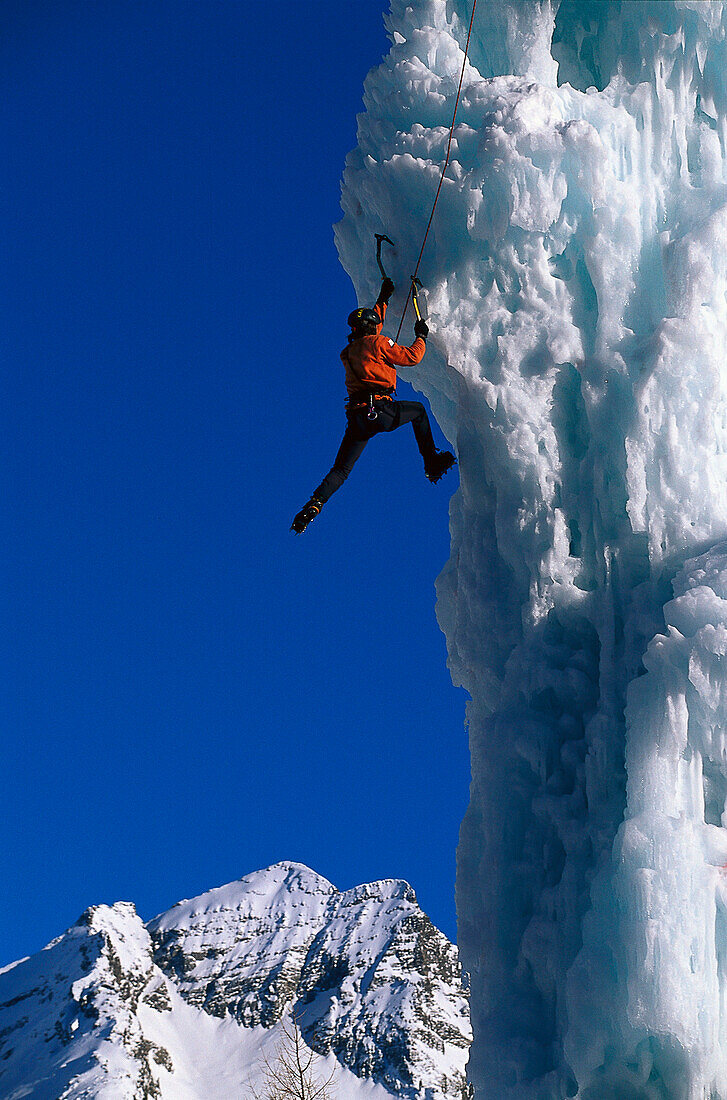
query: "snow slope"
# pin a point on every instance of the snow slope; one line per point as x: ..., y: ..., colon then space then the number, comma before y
x: 577, y: 276
x: 187, y: 1007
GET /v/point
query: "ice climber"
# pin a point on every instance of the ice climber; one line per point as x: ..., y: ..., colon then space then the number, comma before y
x: 370, y: 360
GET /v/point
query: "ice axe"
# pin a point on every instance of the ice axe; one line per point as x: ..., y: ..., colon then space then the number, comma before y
x: 379, y: 238
x: 416, y: 285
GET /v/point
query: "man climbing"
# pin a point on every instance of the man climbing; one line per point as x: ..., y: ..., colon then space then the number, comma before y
x: 370, y: 360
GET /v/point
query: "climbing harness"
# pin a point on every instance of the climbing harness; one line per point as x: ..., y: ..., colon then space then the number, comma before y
x: 368, y: 403
x: 414, y: 281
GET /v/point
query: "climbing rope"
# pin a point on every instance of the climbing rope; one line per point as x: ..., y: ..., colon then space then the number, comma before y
x: 444, y: 169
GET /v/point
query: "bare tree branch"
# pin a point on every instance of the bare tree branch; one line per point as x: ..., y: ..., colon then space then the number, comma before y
x: 292, y: 1075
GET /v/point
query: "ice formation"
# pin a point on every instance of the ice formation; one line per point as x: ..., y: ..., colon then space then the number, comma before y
x: 577, y: 275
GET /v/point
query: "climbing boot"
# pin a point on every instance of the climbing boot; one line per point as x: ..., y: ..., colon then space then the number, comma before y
x: 438, y: 464
x: 305, y: 515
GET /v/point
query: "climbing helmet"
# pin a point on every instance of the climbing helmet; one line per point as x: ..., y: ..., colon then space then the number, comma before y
x: 363, y: 320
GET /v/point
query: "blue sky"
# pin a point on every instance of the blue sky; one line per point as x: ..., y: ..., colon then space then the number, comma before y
x: 190, y: 692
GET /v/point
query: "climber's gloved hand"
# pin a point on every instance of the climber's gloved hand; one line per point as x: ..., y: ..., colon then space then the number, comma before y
x: 421, y: 328
x: 387, y: 289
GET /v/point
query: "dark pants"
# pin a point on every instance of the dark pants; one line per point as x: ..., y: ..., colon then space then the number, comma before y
x: 390, y: 415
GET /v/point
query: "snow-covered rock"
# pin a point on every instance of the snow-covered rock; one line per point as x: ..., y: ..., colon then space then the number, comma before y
x: 369, y: 974
x: 187, y: 1007
x: 577, y: 278
x: 69, y: 1016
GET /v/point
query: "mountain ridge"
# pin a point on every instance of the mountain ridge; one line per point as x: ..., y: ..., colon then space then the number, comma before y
x: 113, y: 1007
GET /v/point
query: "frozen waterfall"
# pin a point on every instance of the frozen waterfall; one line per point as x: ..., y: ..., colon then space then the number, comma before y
x: 577, y: 277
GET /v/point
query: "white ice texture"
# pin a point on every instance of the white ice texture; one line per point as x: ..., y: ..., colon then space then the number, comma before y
x: 577, y: 276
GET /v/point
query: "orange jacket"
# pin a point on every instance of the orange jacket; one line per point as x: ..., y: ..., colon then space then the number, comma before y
x: 371, y: 361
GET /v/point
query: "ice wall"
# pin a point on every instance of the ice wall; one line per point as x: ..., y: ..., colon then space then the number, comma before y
x: 577, y: 271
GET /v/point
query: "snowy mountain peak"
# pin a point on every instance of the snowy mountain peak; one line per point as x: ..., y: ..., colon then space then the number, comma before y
x: 69, y: 1023
x: 265, y: 891
x: 387, y: 889
x: 184, y: 1006
x: 118, y: 925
